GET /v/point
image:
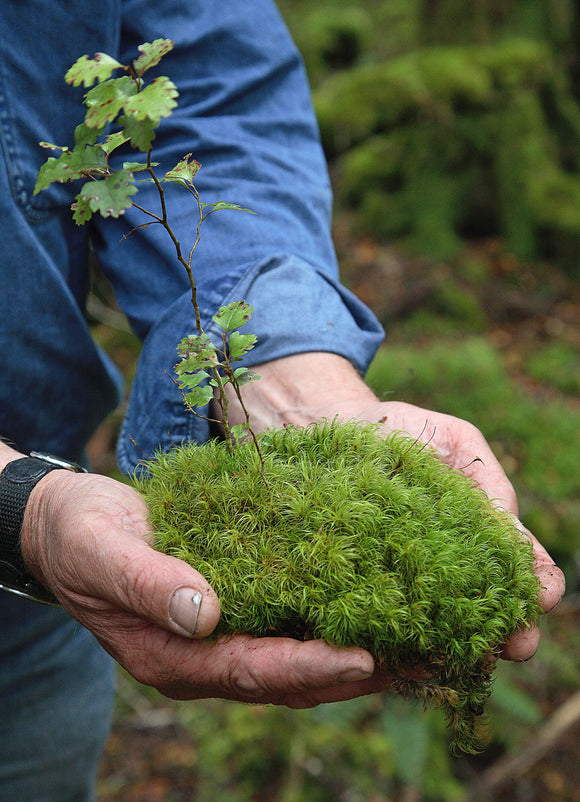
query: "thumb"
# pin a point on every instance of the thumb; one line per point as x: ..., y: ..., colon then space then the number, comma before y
x: 160, y: 589
x: 86, y: 536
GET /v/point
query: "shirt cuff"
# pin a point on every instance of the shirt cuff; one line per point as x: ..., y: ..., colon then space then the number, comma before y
x: 297, y: 309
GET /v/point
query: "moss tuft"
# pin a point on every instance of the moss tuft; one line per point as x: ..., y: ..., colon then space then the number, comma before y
x: 359, y: 540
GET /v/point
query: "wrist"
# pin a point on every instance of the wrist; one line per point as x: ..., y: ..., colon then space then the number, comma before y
x: 302, y: 388
x: 23, y: 481
x: 39, y: 521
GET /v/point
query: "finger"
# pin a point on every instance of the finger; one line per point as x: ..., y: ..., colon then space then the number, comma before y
x: 154, y: 587
x: 260, y: 670
x: 283, y: 670
x: 552, y: 581
x: 522, y: 645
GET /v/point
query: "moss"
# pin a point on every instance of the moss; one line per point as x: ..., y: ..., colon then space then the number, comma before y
x: 446, y: 143
x: 357, y: 540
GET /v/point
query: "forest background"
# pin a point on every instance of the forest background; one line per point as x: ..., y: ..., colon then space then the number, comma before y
x: 452, y: 132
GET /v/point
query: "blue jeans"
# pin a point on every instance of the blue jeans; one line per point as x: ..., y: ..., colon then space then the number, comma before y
x: 56, y: 694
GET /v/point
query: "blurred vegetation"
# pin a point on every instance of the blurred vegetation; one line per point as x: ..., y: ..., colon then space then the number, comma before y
x: 445, y: 120
x: 453, y: 135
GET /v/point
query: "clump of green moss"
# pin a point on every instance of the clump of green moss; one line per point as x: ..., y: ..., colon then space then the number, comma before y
x: 359, y: 540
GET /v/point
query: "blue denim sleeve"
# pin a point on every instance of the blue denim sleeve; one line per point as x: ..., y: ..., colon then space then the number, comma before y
x: 244, y: 113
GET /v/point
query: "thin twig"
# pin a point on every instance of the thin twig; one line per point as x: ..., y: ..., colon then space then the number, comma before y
x: 512, y: 766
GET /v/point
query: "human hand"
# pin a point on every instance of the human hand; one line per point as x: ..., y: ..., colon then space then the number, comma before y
x: 303, y: 388
x: 464, y: 448
x: 86, y: 538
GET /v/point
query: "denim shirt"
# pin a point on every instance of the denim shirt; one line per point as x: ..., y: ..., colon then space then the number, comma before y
x: 244, y: 113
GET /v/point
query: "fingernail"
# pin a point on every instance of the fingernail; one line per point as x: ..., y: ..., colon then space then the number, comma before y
x: 353, y: 674
x: 184, y: 609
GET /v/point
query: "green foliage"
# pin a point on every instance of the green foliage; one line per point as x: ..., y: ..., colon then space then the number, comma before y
x: 111, y: 196
x: 138, y: 109
x: 200, y: 358
x: 449, y: 121
x: 441, y: 142
x: 349, y: 750
x: 356, y: 540
x: 557, y: 364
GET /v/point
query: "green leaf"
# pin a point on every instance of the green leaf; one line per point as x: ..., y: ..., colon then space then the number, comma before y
x: 197, y: 351
x: 233, y: 316
x: 70, y: 165
x: 114, y: 141
x: 151, y: 54
x: 54, y: 170
x: 50, y: 146
x: 239, y: 430
x: 155, y: 101
x: 245, y: 376
x: 86, y: 71
x: 219, y: 206
x: 140, y: 132
x: 105, y: 101
x: 81, y: 209
x: 138, y: 167
x: 184, y: 171
x: 190, y: 380
x: 240, y: 344
x: 110, y: 197
x: 200, y: 396
x: 84, y: 135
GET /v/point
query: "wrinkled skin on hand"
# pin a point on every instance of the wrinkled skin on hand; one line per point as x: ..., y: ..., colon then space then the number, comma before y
x: 86, y: 538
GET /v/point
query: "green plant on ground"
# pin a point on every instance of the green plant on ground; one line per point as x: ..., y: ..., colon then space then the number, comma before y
x: 330, y: 531
x: 557, y: 364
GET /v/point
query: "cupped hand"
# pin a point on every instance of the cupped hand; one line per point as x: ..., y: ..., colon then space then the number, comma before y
x: 302, y: 388
x: 86, y: 538
x: 463, y: 447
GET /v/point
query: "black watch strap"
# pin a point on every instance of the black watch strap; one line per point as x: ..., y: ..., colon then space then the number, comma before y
x: 17, y: 481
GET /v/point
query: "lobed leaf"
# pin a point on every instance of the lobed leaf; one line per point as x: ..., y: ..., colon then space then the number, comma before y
x: 245, y: 376
x: 240, y: 430
x: 141, y: 133
x: 86, y: 71
x: 105, y: 101
x: 197, y: 351
x: 69, y: 166
x: 85, y: 135
x: 220, y: 205
x: 233, y: 316
x: 240, y: 344
x: 184, y: 171
x: 200, y: 396
x: 190, y: 380
x: 155, y: 101
x: 114, y: 141
x: 110, y: 196
x: 151, y: 54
